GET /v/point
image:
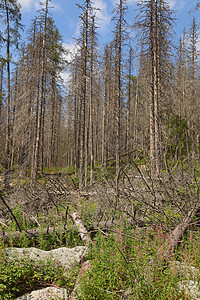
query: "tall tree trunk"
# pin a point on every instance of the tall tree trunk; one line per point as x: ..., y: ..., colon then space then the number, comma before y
x: 40, y: 119
x: 128, y: 109
x: 104, y: 111
x: 155, y: 83
x: 91, y: 105
x: 8, y: 125
x: 1, y: 95
x: 118, y: 59
x: 151, y: 100
x: 52, y: 125
x: 82, y: 98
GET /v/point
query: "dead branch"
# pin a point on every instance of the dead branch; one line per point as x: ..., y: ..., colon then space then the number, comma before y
x: 10, y: 210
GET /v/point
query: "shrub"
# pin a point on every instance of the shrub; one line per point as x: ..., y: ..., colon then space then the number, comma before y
x: 17, y: 277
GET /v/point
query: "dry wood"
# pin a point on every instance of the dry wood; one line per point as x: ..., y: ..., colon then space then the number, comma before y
x: 179, y: 230
x: 10, y: 211
x: 175, y: 236
x: 7, y: 237
x: 84, y: 234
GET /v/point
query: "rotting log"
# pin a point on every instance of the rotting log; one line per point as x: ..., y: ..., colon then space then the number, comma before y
x: 10, y: 211
x: 33, y: 234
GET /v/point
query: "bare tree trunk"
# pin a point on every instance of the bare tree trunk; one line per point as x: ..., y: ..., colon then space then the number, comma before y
x: 118, y: 61
x: 135, y: 124
x: 82, y: 95
x: 128, y: 109
x: 8, y: 125
x: 91, y: 105
x: 12, y: 137
x: 104, y: 111
x: 52, y: 125
x: 151, y: 100
x: 40, y: 124
x: 155, y: 83
x: 178, y: 232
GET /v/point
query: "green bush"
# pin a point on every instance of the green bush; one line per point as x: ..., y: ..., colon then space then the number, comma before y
x: 17, y: 277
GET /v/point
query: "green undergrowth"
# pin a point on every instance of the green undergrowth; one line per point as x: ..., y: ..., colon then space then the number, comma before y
x: 120, y: 262
x: 51, y: 232
x: 18, y: 277
x: 125, y: 258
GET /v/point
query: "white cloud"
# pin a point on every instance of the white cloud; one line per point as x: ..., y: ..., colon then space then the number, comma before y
x: 65, y: 76
x: 71, y: 49
x: 55, y: 6
x: 103, y: 17
x: 114, y: 2
x: 28, y: 5
x: 172, y: 3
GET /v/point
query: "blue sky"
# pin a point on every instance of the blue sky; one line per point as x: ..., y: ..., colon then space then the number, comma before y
x: 66, y: 16
x: 66, y: 13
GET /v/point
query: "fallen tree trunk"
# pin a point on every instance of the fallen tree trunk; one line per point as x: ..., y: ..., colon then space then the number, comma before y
x: 84, y: 234
x: 10, y: 210
x: 179, y: 230
x: 175, y: 236
x: 7, y: 237
x: 14, y: 237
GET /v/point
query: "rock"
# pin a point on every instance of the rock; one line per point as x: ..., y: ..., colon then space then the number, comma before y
x: 191, y: 288
x: 184, y: 270
x: 189, y: 274
x: 49, y: 293
x: 65, y: 257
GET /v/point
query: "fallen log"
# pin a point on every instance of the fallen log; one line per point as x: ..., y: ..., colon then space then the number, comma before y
x: 179, y: 230
x: 8, y: 236
x: 84, y: 234
x: 14, y: 237
x: 175, y: 236
x: 86, y: 265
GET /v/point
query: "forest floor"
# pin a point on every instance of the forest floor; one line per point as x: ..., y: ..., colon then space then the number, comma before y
x: 140, y: 228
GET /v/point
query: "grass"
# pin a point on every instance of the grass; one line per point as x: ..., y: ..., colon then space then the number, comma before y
x: 120, y: 262
x: 18, y: 277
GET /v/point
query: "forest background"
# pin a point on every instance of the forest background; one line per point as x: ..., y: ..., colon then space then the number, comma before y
x: 107, y: 134
x: 137, y: 93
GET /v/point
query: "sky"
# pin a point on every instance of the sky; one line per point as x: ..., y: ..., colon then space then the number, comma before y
x: 66, y: 16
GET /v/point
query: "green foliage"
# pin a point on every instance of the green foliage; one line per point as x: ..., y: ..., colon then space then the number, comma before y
x: 178, y: 137
x: 58, y: 170
x: 53, y: 238
x: 20, y: 216
x: 120, y: 262
x: 88, y: 210
x: 17, y: 277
